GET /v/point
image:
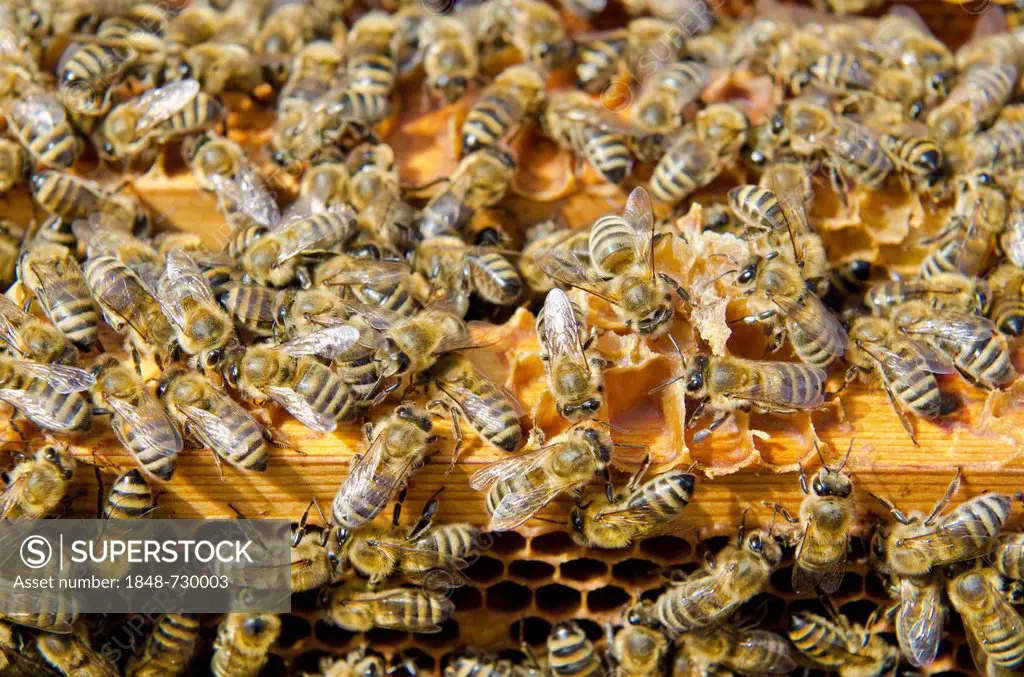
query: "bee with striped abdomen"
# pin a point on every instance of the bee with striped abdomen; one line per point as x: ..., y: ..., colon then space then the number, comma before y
x: 574, y: 376
x: 549, y: 236
x: 40, y: 124
x: 313, y: 73
x: 621, y: 268
x: 169, y: 647
x: 243, y: 644
x: 724, y: 385
x: 571, y: 653
x: 139, y: 422
x: 994, y: 629
x: 398, y: 447
x: 641, y: 511
x: 519, y: 487
x: 372, y: 42
x: 210, y: 418
x: 53, y: 277
x: 745, y: 651
x: 277, y: 257
x: 409, y: 609
x: 968, y: 240
x: 669, y: 91
x: 135, y: 129
x: 369, y: 281
x: 254, y: 307
x: 29, y: 338
x: 36, y: 486
x: 49, y: 395
x: 130, y: 497
x: 458, y: 385
x: 449, y: 56
x: 698, y: 154
x: 412, y: 552
x: 73, y: 656
x: 575, y: 122
x: 1007, y: 309
x: 73, y: 198
x: 976, y: 100
x: 481, y: 179
x: 515, y: 96
x: 711, y: 594
x: 842, y: 645
x: 602, y: 54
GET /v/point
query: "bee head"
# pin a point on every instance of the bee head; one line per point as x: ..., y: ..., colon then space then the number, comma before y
x: 59, y: 458
x: 421, y: 419
x: 695, y: 375
x: 393, y: 355
x: 828, y: 483
x: 764, y: 546
x: 579, y: 412
x: 576, y: 519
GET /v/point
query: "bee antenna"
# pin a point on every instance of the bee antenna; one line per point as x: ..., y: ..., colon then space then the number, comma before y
x: 775, y: 517
x: 719, y: 255
x: 623, y: 445
x: 700, y: 291
x: 846, y: 458
x: 824, y: 463
x: 612, y: 426
x: 743, y: 525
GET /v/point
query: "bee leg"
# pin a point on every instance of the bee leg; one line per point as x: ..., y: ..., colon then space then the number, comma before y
x: 426, y: 517
x: 904, y: 421
x: 137, y: 361
x: 895, y: 512
x: 634, y: 481
x: 714, y: 425
x: 457, y: 434
x: 220, y: 467
x: 397, y: 513
x: 954, y: 486
x: 678, y: 288
x: 300, y: 530
x: 755, y: 318
x: 303, y: 276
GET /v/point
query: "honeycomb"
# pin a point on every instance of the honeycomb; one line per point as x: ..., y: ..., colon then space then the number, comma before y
x: 523, y: 582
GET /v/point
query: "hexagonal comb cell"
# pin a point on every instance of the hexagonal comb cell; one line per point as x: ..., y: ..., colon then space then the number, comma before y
x: 635, y: 570
x: 558, y: 599
x: 583, y: 569
x: 484, y: 570
x: 608, y: 598
x: 508, y: 596
x: 532, y: 630
x: 382, y: 637
x: 502, y: 543
x: 331, y: 635
x: 448, y: 635
x: 668, y: 549
x: 467, y: 598
x: 530, y: 570
x: 294, y: 629
x: 553, y: 543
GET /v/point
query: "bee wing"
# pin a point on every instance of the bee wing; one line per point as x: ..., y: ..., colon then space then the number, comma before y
x: 151, y: 426
x: 39, y: 112
x: 420, y: 556
x: 403, y: 603
x: 919, y: 621
x: 61, y: 378
x: 11, y: 316
x: 790, y: 195
x: 816, y: 320
x: 902, y: 368
x: 38, y: 408
x: 211, y: 429
x: 182, y: 281
x: 248, y: 191
x: 566, y: 268
x: 158, y: 105
x: 766, y: 644
x: 561, y: 330
x: 299, y: 240
x: 772, y: 387
x: 511, y: 467
x: 476, y: 407
x: 330, y: 342
x: 518, y: 507
x: 300, y: 408
x: 370, y: 272
x: 51, y: 274
x: 827, y: 576
x: 954, y: 326
x: 639, y: 214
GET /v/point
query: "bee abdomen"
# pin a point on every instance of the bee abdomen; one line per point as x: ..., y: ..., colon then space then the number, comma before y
x: 758, y: 207
x: 372, y: 74
x: 668, y: 493
x: 253, y: 307
x: 250, y: 450
x: 67, y: 411
x: 571, y: 654
x: 173, y: 635
x: 1008, y: 558
x: 598, y: 64
x: 608, y: 152
x: 981, y: 518
x: 74, y: 314
x: 488, y: 121
x: 987, y: 362
x: 130, y: 497
x: 814, y: 639
x: 243, y: 239
x: 495, y: 279
x: 842, y: 71
x: 920, y: 393
x: 325, y: 391
x: 611, y: 244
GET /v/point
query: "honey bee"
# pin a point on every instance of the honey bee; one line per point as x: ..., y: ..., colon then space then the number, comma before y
x: 357, y: 663
x: 998, y: 148
x: 977, y: 98
x: 574, y: 378
x: 255, y: 308
x: 573, y: 120
x: 641, y: 511
x: 636, y: 649
x: 710, y: 595
x: 411, y: 345
x: 397, y: 449
x: 519, y: 487
x: 841, y: 645
x: 824, y: 520
x: 202, y: 328
x: 10, y: 241
x: 243, y: 644
x: 220, y: 66
x: 314, y: 557
x: 699, y: 153
x: 53, y: 277
x: 1007, y: 310
x: 247, y: 204
x: 40, y: 124
x: 73, y: 198
x: 137, y: 419
x: 571, y: 653
x: 747, y: 652
x: 481, y: 179
x: 49, y: 395
x: 129, y: 307
x: 856, y: 153
x: 968, y: 239
x: 312, y: 74
x: 516, y: 95
x: 916, y: 545
x: 945, y: 291
x: 659, y: 110
x: 728, y: 384
x: 409, y: 609
x: 802, y: 126
x: 1008, y: 558
x: 210, y: 418
x: 134, y: 129
x: 449, y: 56
x: 372, y: 44
x: 991, y: 624
x: 276, y: 258
x: 169, y: 647
x: 457, y: 385
x: 532, y: 27
x: 37, y: 486
x: 29, y: 338
x: 71, y: 655
x: 282, y: 35
x: 978, y: 351
x: 415, y: 553
x: 130, y: 497
x: 209, y: 153
x: 370, y: 282
x: 906, y: 368
x: 915, y: 154
x: 905, y: 41
x: 311, y: 392
x: 621, y: 269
